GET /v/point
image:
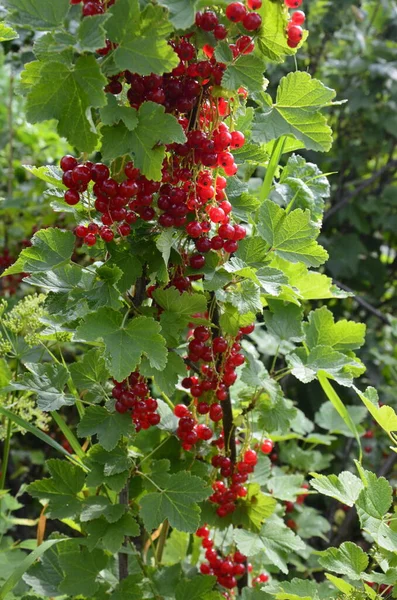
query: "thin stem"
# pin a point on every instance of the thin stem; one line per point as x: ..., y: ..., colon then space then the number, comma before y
x: 6, y: 454
x: 271, y: 168
x: 162, y: 539
x: 123, y: 558
x: 69, y: 435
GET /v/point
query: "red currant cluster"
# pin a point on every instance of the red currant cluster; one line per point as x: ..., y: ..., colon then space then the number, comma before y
x: 226, y: 494
x: 111, y: 199
x: 236, y: 12
x: 93, y: 7
x: 294, y: 29
x: 226, y: 568
x: 133, y: 394
x: 189, y: 431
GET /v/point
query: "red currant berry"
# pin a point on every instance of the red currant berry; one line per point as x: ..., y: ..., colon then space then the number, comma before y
x: 219, y: 345
x: 295, y: 33
x: 254, y: 4
x: 267, y: 446
x: 247, y: 329
x: 204, y: 432
x: 208, y: 20
x: 298, y: 17
x: 230, y: 246
x: 236, y: 12
x: 216, y: 214
x: 252, y: 21
x: 238, y: 139
x: 250, y: 457
x: 81, y: 175
x: 180, y: 410
x: 293, y: 3
x: 197, y: 261
x: 216, y: 412
x: 220, y: 32
x: 81, y: 231
x: 194, y: 229
x: 72, y: 197
x: 90, y: 239
x: 68, y: 163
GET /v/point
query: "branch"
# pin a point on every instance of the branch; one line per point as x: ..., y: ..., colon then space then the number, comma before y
x: 123, y: 558
x: 365, y: 304
x: 392, y: 164
x: 227, y: 419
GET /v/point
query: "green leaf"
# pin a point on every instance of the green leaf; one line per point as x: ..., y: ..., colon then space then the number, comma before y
x: 246, y: 71
x: 146, y: 141
x: 165, y: 242
x: 167, y: 378
x: 48, y: 382
x: 345, y: 487
x: 284, y: 321
x: 297, y: 113
x: 176, y: 500
x: 45, y: 576
x: 310, y: 284
x: 141, y: 38
x: 254, y: 508
x: 90, y: 375
x: 91, y: 33
x: 50, y: 248
x: 246, y: 297
x: 113, y: 113
x: 385, y: 416
x: 109, y: 427
x: 17, y: 574
x: 291, y: 235
x: 321, y: 330
x: 349, y: 560
x: 323, y: 362
x: 304, y: 184
x: 298, y: 589
x: 176, y: 548
x: 275, y: 541
x: 198, y: 588
x: 285, y: 487
x: 111, y: 535
x: 38, y: 15
x: 74, y: 91
x: 295, y: 456
x: 6, y: 32
x: 81, y: 571
x: 181, y: 12
x: 328, y: 418
x: 338, y: 405
x: 272, y: 41
x: 120, y: 256
x: 125, y: 342
x: 61, y: 490
x: 128, y: 589
x: 376, y: 496
x: 311, y: 524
